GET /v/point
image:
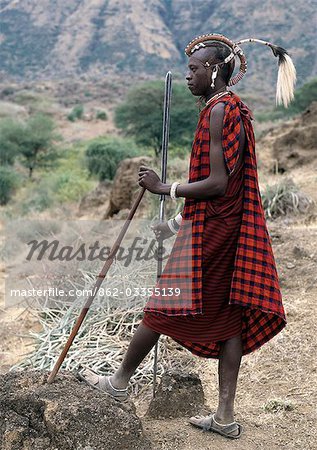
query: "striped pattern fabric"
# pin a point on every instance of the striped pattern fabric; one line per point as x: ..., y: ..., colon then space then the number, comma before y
x: 219, y: 320
x: 254, y: 284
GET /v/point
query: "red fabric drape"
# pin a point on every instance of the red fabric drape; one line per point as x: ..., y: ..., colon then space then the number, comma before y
x: 254, y: 283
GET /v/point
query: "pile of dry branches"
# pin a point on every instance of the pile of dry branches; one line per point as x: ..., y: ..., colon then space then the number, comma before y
x: 103, y: 337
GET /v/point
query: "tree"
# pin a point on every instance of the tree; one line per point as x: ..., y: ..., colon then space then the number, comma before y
x: 31, y: 141
x: 8, y: 183
x: 36, y: 145
x: 104, y: 155
x: 141, y: 115
x: 10, y: 136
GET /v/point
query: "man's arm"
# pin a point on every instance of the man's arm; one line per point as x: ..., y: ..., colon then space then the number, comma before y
x: 216, y: 183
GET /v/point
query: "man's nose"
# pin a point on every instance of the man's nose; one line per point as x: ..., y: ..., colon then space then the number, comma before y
x: 188, y: 76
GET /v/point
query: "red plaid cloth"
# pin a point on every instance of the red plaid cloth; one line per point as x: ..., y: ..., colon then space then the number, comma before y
x: 255, y: 284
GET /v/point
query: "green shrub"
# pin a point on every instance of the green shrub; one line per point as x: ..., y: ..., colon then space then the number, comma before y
x: 303, y: 97
x: 36, y: 145
x: 10, y: 133
x: 8, y: 183
x: 39, y: 198
x: 70, y: 186
x: 32, y: 142
x: 8, y: 91
x: 57, y: 188
x: 101, y: 115
x: 179, y: 152
x: 76, y: 113
x: 140, y: 115
x: 103, y: 156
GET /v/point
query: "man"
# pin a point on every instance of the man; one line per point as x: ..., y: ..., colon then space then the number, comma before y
x: 236, y: 301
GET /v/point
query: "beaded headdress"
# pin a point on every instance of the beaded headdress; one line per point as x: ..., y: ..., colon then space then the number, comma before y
x: 286, y: 74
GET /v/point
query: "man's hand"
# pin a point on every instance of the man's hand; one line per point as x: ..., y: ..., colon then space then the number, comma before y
x: 150, y: 180
x: 161, y: 230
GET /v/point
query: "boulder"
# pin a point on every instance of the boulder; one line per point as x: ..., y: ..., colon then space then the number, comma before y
x: 64, y: 415
x: 291, y: 144
x: 125, y: 185
x: 100, y: 196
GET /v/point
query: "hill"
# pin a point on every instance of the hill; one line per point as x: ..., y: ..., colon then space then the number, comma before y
x: 44, y: 40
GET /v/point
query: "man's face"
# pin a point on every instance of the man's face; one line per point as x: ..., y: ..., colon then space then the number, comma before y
x: 198, y: 77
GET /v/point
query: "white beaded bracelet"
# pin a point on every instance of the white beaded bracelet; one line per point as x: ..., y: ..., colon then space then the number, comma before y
x: 171, y: 226
x: 178, y: 218
x: 173, y: 190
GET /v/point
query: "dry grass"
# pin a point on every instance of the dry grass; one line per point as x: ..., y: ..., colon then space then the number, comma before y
x: 104, y: 335
x: 278, y: 404
x: 285, y: 198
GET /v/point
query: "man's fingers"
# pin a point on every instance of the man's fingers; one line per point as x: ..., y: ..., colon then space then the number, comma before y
x: 143, y: 174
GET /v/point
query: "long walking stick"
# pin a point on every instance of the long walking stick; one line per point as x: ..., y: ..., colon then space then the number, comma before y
x: 99, y: 280
x: 165, y: 138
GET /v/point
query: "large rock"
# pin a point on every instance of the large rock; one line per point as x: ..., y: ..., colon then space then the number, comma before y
x: 99, y: 197
x: 178, y: 395
x: 291, y: 145
x: 64, y: 415
x: 125, y: 185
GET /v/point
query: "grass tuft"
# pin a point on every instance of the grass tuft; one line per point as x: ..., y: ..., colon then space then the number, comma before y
x: 276, y: 405
x: 285, y: 198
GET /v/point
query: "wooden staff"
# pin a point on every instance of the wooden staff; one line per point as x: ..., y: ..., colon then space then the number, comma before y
x: 116, y: 245
x: 99, y: 280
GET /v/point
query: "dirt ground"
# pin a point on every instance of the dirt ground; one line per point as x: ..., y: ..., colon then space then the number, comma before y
x: 276, y: 395
x: 284, y: 369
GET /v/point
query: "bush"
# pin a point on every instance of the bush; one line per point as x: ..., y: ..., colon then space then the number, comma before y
x: 36, y: 144
x: 303, y: 97
x: 7, y: 91
x: 8, y: 183
x: 32, y: 142
x: 39, y: 199
x: 70, y: 186
x: 103, y: 156
x: 182, y: 152
x: 57, y: 188
x: 141, y: 114
x: 10, y: 136
x: 101, y: 115
x: 285, y: 198
x: 76, y: 113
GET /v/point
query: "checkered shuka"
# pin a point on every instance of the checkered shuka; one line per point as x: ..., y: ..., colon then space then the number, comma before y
x: 255, y: 284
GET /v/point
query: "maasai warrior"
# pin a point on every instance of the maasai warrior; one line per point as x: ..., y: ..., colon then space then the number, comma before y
x: 236, y: 302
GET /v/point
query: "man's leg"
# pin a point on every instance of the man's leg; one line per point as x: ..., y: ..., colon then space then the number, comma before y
x: 141, y: 343
x: 228, y: 369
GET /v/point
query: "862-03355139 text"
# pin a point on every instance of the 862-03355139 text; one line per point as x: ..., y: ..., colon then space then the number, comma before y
x: 109, y: 292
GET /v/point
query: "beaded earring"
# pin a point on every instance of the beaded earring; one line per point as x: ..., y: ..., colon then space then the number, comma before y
x: 214, y: 76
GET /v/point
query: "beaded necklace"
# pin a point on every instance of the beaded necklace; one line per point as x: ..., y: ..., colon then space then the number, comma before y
x: 220, y: 94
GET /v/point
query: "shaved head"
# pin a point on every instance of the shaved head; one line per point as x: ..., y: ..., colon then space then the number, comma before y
x: 214, y: 54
